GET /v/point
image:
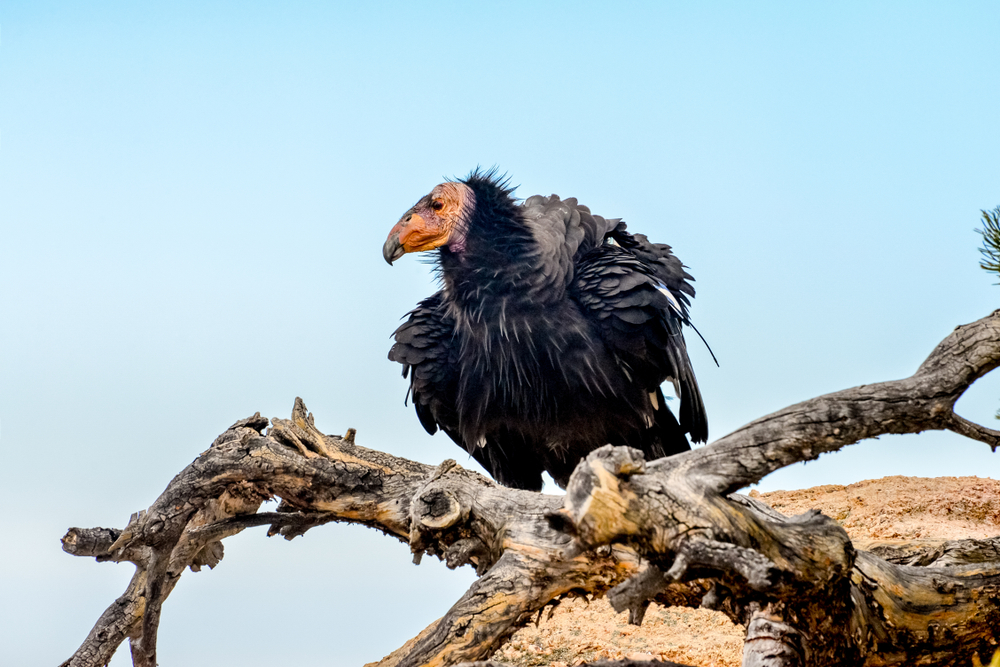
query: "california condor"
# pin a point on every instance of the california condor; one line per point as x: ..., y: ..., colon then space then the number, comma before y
x: 551, y: 335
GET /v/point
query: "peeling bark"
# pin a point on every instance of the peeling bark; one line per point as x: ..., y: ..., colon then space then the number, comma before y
x: 671, y: 531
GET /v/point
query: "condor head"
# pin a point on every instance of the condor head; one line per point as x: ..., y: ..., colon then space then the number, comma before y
x: 437, y: 219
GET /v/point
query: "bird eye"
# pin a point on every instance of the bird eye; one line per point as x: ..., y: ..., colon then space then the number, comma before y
x: 437, y: 204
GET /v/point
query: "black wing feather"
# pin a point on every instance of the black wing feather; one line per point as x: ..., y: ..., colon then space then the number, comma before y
x: 622, y: 286
x: 425, y: 347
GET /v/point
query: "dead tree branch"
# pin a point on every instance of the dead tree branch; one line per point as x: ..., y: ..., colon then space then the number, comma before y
x: 808, y: 597
x: 667, y: 530
x: 444, y: 511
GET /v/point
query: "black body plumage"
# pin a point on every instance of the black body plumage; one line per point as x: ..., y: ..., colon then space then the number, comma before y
x: 550, y: 337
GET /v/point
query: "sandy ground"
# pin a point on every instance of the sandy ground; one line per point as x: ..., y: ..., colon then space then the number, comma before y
x: 902, y: 507
x: 882, y: 509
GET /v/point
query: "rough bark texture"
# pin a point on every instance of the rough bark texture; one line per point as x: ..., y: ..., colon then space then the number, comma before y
x: 807, y: 596
x: 669, y: 530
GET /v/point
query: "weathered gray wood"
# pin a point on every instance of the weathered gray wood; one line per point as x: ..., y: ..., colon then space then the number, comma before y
x: 934, y: 552
x: 807, y: 595
x: 444, y: 511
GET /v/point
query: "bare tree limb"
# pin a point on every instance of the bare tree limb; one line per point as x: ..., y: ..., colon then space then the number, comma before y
x: 922, y: 402
x: 806, y: 594
x: 963, y: 426
x: 805, y: 573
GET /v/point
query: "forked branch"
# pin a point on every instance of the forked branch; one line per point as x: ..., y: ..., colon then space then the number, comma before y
x: 802, y: 574
x: 806, y: 594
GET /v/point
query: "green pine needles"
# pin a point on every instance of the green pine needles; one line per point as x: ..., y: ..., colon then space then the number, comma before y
x: 991, y: 241
x: 991, y: 262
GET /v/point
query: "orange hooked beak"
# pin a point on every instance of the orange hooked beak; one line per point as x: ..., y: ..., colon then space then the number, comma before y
x: 412, y: 234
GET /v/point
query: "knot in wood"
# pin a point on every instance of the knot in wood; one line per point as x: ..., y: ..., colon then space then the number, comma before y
x: 438, y: 508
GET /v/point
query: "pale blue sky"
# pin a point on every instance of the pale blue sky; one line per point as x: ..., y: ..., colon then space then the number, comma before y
x: 193, y: 201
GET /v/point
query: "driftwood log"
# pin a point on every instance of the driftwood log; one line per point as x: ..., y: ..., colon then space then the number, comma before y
x: 671, y: 531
